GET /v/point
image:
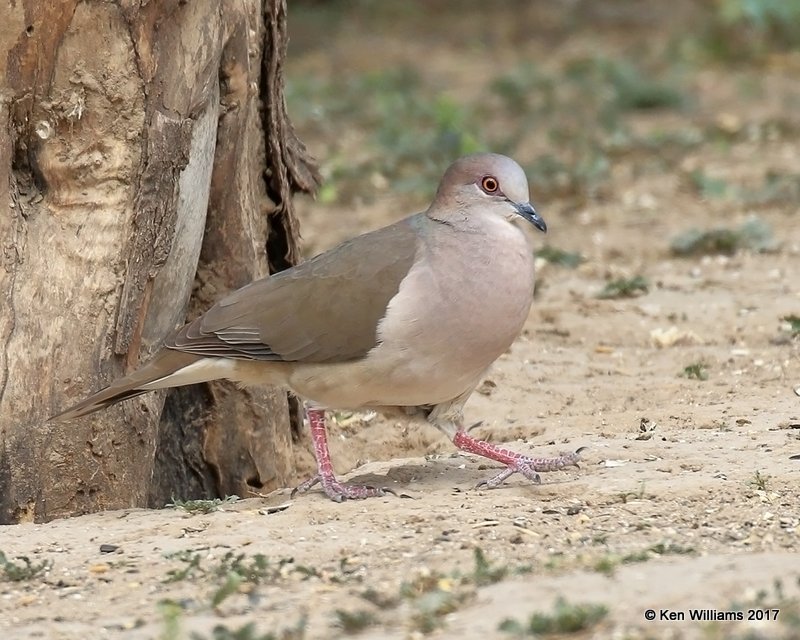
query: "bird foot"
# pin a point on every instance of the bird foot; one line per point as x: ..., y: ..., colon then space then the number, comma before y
x: 515, y: 462
x: 341, y: 491
x: 335, y: 490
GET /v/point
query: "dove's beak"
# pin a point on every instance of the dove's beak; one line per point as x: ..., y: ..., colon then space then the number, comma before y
x: 526, y: 210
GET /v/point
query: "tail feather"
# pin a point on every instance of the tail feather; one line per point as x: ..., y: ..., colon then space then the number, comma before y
x: 168, y: 368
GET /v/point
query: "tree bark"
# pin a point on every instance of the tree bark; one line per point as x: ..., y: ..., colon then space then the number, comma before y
x: 147, y: 166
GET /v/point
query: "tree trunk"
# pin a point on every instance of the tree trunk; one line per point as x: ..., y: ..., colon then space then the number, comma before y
x: 147, y: 165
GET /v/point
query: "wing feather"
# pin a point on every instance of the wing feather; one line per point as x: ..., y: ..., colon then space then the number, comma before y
x: 324, y: 310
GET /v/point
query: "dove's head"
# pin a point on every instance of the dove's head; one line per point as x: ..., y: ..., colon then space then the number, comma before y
x: 487, y: 182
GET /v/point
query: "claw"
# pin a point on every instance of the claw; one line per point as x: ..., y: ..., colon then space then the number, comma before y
x: 305, y: 485
x: 474, y: 426
x: 515, y: 462
x: 341, y: 491
x: 335, y: 490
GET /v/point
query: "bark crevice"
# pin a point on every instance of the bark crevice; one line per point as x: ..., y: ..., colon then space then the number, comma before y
x: 290, y: 168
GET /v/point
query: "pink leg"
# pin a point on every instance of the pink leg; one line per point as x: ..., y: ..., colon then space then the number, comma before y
x: 335, y: 490
x: 515, y: 462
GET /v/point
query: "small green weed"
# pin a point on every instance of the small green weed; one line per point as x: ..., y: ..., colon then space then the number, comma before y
x: 235, y: 570
x: 354, y: 621
x: 171, y: 613
x: 249, y: 632
x: 631, y: 88
x: 256, y: 569
x: 714, y: 241
x: 229, y: 586
x: 748, y: 30
x: 794, y: 323
x: 525, y: 89
x: 658, y: 549
x: 565, y: 618
x: 484, y: 573
x: 760, y: 481
x: 634, y: 557
x: 556, y: 562
x: 695, y: 371
x: 625, y: 288
x: 671, y: 548
x: 380, y: 600
x: 189, y: 570
x: 560, y: 257
x: 606, y: 565
x: 777, y: 189
x: 23, y: 570
x: 624, y: 496
x: 202, y: 506
x: 431, y: 608
x: 434, y: 595
x: 754, y: 234
x: 230, y: 573
x: 707, y: 186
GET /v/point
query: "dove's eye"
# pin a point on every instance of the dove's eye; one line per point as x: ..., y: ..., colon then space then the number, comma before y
x: 489, y: 184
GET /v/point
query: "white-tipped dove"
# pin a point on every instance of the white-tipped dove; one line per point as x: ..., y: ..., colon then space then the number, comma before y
x: 407, y: 317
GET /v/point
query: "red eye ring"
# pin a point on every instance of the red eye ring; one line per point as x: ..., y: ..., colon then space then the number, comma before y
x: 489, y: 184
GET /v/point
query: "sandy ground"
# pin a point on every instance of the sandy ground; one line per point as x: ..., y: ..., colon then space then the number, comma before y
x: 687, y: 497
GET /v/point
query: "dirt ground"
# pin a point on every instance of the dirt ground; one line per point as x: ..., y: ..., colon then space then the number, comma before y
x: 688, y: 496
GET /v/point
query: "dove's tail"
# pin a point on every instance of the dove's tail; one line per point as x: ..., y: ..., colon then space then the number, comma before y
x: 169, y: 368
